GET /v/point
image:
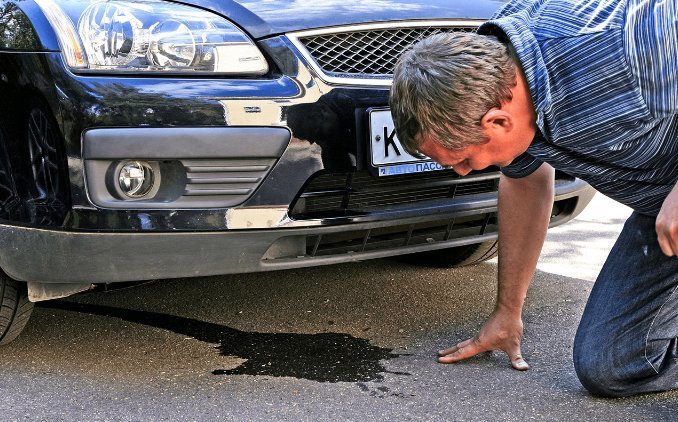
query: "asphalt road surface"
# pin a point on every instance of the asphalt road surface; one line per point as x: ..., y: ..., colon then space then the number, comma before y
x: 347, y: 342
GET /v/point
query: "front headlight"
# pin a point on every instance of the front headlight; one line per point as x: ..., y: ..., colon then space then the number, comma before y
x: 152, y: 35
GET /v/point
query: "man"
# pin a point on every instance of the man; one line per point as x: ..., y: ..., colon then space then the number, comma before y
x: 589, y: 87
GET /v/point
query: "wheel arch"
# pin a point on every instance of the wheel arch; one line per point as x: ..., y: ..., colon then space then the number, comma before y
x: 31, y: 138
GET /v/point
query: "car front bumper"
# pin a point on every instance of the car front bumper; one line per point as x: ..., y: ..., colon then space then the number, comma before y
x: 58, y: 256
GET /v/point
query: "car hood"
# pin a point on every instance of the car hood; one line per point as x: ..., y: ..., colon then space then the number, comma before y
x: 262, y: 18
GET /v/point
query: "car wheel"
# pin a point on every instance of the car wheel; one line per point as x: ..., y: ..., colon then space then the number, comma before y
x: 458, y: 256
x: 15, y: 309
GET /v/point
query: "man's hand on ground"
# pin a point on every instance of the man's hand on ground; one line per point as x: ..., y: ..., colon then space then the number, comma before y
x: 667, y: 224
x: 500, y: 332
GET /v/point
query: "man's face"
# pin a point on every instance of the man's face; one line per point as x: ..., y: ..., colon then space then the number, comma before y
x: 509, y: 128
x: 497, y: 151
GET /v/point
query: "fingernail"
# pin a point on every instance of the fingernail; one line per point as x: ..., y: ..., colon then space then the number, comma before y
x: 521, y: 365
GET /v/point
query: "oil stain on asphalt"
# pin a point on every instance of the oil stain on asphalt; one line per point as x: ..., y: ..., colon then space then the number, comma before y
x: 323, y: 357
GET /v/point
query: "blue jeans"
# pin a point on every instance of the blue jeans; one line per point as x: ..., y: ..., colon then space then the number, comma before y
x: 627, y: 340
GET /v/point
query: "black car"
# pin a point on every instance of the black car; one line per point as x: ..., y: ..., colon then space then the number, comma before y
x: 157, y: 139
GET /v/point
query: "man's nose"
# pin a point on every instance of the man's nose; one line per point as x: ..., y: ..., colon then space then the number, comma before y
x: 462, y: 171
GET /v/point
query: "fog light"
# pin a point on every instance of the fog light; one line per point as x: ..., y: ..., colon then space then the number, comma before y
x: 136, y: 179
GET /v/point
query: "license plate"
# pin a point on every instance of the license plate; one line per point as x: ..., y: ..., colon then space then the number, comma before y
x: 388, y: 155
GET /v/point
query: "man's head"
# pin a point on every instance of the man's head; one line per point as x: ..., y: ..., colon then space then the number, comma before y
x: 455, y: 91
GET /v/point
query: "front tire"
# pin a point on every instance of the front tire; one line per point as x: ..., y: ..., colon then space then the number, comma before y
x: 15, y: 308
x: 458, y: 256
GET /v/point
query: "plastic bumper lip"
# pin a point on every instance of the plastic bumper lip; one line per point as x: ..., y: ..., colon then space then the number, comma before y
x: 54, y: 256
x: 58, y: 257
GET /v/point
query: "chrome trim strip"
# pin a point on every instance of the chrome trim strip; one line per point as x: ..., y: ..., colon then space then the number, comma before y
x: 388, y: 25
x: 376, y: 81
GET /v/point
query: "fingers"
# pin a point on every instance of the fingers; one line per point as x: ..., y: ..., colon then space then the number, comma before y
x: 454, y: 349
x: 501, y: 331
x: 472, y: 347
x: 461, y: 351
x: 667, y: 224
x: 667, y: 235
x: 666, y: 248
x: 668, y: 245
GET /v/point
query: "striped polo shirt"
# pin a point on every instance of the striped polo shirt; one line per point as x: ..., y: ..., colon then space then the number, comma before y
x: 603, y: 76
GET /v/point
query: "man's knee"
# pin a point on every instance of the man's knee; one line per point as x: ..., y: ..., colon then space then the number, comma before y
x: 616, y: 369
x: 597, y: 374
x: 605, y: 368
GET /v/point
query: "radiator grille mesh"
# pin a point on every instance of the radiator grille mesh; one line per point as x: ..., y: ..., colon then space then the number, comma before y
x: 369, y: 53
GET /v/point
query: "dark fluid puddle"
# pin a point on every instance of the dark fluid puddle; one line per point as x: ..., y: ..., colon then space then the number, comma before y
x: 324, y: 357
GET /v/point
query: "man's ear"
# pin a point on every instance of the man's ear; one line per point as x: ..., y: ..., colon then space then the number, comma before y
x: 497, y: 119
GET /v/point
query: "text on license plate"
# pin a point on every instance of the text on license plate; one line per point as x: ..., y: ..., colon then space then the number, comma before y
x: 388, y: 155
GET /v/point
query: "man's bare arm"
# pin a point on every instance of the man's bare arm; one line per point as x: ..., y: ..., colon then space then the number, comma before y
x: 524, y: 211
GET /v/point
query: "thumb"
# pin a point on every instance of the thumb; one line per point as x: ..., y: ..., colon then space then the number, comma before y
x: 517, y: 360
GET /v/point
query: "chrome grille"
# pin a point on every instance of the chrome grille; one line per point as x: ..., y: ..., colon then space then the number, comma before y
x: 369, y: 53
